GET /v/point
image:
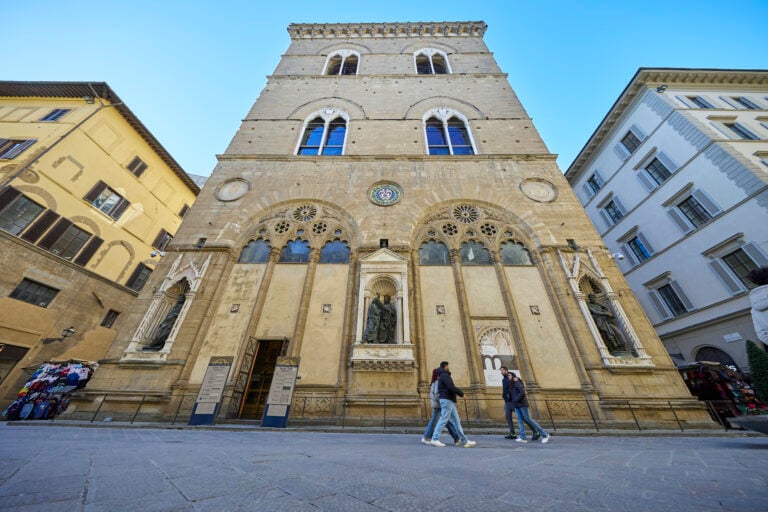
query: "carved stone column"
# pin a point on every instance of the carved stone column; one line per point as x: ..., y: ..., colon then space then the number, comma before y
x: 514, y: 323
x: 473, y: 359
x: 294, y: 348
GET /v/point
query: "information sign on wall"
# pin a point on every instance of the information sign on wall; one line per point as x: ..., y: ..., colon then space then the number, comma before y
x: 211, y: 390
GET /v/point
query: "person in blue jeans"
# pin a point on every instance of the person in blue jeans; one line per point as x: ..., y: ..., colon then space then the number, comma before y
x: 434, y: 399
x: 448, y: 412
x: 520, y: 403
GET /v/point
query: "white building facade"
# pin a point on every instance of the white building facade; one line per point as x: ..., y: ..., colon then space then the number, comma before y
x: 675, y: 179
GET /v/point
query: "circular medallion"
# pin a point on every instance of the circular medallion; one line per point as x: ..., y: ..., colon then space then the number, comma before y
x: 538, y: 190
x: 232, y: 189
x: 385, y: 193
x: 466, y: 213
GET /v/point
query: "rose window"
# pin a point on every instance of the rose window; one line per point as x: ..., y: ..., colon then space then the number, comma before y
x: 488, y: 229
x: 305, y: 212
x: 282, y: 226
x: 466, y: 213
x: 450, y: 229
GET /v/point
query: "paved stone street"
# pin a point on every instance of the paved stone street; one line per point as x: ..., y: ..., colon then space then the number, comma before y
x: 114, y: 469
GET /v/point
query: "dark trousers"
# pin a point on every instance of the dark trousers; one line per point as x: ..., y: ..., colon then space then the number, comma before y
x: 508, y: 410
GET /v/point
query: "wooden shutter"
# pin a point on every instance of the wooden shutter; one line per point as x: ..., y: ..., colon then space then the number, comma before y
x: 55, y: 233
x: 18, y: 149
x: 95, y: 191
x: 607, y: 218
x: 646, y: 244
x: 721, y: 269
x: 622, y: 151
x: 682, y: 296
x: 184, y: 210
x: 706, y: 202
x: 619, y: 205
x: 754, y: 252
x: 90, y: 249
x: 118, y: 210
x: 667, y: 162
x: 629, y: 254
x: 134, y: 276
x: 588, y: 191
x: 657, y: 302
x: 680, y: 220
x: 8, y: 196
x: 38, y: 228
x: 159, y: 239
x: 646, y: 180
x: 640, y: 134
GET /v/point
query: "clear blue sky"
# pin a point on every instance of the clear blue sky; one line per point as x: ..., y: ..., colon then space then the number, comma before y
x: 191, y: 69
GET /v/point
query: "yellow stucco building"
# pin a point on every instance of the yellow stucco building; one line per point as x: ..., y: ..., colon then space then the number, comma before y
x: 387, y: 204
x: 86, y: 195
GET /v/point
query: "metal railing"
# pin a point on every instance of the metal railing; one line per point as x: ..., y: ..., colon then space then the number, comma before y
x: 477, y: 414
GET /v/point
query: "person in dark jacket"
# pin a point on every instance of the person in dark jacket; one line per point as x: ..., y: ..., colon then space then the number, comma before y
x: 434, y: 399
x: 448, y: 392
x: 508, y: 407
x: 520, y: 403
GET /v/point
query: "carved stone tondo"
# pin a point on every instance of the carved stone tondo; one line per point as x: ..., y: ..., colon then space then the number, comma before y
x: 385, y: 193
x: 232, y: 189
x: 538, y: 190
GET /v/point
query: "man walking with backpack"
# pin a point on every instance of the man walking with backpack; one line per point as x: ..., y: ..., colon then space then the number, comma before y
x: 448, y: 391
x: 520, y: 403
x: 434, y: 399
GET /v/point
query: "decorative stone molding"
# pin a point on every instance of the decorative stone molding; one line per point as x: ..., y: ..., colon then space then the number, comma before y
x: 370, y: 30
x: 162, y: 302
x: 575, y: 270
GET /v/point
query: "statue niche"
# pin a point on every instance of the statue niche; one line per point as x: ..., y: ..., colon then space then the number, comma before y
x: 381, y: 323
x: 606, y: 322
x: 163, y: 330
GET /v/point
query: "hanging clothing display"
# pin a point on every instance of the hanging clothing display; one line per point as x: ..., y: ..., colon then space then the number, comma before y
x: 46, y: 392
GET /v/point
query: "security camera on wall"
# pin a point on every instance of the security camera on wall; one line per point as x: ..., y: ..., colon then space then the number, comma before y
x: 155, y: 254
x: 617, y: 256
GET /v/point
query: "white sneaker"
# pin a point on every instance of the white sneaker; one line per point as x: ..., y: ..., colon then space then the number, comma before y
x: 544, y: 439
x: 521, y: 440
x: 437, y: 443
x: 458, y: 443
x: 469, y: 444
x: 424, y: 440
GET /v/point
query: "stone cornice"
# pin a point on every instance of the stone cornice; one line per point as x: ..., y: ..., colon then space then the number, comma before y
x: 646, y: 78
x: 366, y: 158
x: 386, y: 30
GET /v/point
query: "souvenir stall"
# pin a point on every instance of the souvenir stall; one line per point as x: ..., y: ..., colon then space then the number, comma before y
x: 728, y: 392
x: 46, y: 392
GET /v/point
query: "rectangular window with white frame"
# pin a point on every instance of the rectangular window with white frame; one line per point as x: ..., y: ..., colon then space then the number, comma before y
x: 107, y: 200
x: 55, y: 115
x: 636, y: 247
x: 593, y: 184
x: 670, y: 300
x: 733, y: 267
x: 740, y: 131
x: 656, y: 171
x: 629, y: 142
x: 612, y: 211
x: 691, y: 211
x: 11, y: 148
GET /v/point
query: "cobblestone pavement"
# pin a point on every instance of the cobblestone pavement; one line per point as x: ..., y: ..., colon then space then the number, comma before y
x: 115, y: 469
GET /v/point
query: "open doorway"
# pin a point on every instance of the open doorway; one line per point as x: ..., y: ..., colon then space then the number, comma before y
x: 260, y: 378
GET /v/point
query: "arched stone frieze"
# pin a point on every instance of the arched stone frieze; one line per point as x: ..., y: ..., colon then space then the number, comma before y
x: 40, y: 195
x: 417, y: 110
x: 89, y: 223
x: 352, y: 110
x: 346, y: 45
x: 418, y: 45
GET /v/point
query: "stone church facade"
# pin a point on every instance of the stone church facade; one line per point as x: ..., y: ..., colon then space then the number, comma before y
x: 390, y: 170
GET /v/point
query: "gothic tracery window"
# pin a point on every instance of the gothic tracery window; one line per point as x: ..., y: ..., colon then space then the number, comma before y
x: 514, y: 253
x: 257, y: 251
x: 474, y: 253
x: 343, y: 62
x: 295, y: 251
x: 335, y: 251
x: 447, y: 134
x: 431, y: 62
x: 324, y: 134
x: 433, y: 253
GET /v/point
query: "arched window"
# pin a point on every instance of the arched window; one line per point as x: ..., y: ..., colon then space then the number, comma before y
x: 335, y: 252
x: 257, y: 251
x: 295, y: 251
x: 513, y: 253
x: 447, y: 133
x: 431, y: 62
x: 324, y: 134
x: 473, y: 253
x: 343, y: 62
x: 433, y: 253
x: 715, y: 355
